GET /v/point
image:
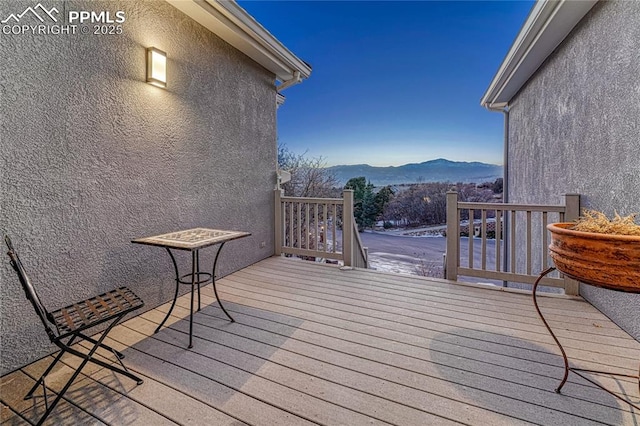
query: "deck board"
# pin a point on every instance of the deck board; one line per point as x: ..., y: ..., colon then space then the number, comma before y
x: 521, y: 313
x: 403, y: 373
x: 578, y: 348
x: 336, y: 377
x: 431, y: 309
x: 394, y: 354
x: 314, y: 344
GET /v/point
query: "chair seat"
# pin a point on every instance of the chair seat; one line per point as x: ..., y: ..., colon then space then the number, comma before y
x: 93, y: 311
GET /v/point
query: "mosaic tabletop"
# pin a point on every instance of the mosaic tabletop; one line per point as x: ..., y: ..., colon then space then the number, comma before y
x: 191, y: 239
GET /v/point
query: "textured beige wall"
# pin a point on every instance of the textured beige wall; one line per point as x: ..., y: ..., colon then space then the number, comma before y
x: 575, y: 128
x: 92, y: 157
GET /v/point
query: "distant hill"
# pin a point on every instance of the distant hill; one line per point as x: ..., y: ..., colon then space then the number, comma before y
x: 439, y: 170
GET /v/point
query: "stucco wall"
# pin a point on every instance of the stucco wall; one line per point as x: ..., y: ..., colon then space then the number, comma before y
x: 575, y: 128
x: 93, y: 157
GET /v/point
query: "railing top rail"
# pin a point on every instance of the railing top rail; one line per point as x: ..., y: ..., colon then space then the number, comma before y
x: 313, y: 200
x: 507, y: 207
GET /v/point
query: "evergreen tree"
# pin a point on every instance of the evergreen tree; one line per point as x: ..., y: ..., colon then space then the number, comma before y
x: 364, y: 205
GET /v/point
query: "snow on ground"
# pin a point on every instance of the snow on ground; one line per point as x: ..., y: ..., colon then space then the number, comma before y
x: 391, y: 262
x: 428, y: 231
x: 403, y: 264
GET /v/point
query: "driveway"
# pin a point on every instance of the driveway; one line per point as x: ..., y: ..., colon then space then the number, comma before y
x: 416, y: 255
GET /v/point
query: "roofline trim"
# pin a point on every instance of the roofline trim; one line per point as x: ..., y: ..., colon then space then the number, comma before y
x: 235, y: 26
x: 548, y: 24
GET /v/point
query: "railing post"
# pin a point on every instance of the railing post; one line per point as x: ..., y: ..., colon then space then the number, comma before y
x: 347, y: 227
x: 453, y: 235
x: 278, y: 221
x: 366, y: 257
x: 571, y: 213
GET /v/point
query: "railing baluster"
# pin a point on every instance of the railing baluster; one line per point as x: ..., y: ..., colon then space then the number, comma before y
x: 545, y: 257
x: 291, y: 224
x: 325, y: 232
x: 458, y: 238
x: 471, y: 229
x: 512, y: 251
x: 334, y: 226
x: 283, y: 214
x: 298, y: 223
x: 529, y: 242
x: 316, y: 237
x: 483, y: 230
x: 284, y: 223
x: 498, y: 238
x: 307, y: 231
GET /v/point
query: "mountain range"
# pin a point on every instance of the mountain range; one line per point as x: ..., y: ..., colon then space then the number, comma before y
x: 439, y: 170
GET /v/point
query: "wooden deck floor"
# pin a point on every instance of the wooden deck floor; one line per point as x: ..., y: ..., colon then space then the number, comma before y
x: 313, y: 344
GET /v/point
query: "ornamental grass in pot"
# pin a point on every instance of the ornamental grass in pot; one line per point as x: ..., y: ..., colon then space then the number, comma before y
x: 599, y: 251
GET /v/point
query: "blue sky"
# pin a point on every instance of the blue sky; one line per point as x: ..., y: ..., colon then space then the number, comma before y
x: 393, y: 82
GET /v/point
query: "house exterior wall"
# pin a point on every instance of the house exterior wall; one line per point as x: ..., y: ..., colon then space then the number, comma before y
x: 575, y: 128
x: 92, y: 157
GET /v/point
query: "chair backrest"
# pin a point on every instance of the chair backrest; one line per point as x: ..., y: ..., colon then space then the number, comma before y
x: 29, y: 290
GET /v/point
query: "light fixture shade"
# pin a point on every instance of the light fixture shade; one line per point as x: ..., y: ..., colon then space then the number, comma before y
x: 156, y: 67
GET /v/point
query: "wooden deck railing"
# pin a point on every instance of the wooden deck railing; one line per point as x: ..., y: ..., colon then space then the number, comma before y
x: 318, y: 228
x: 520, y: 239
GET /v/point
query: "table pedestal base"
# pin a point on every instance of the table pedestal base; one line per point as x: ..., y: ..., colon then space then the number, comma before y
x: 195, y: 279
x: 567, y: 367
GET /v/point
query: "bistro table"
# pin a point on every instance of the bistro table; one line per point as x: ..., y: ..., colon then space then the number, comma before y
x: 193, y: 240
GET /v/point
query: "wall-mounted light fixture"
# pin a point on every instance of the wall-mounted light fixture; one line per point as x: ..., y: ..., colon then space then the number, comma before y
x: 156, y: 67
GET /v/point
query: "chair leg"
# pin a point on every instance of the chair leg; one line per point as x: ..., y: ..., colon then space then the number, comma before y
x: 108, y: 366
x: 29, y: 394
x: 102, y: 345
x: 86, y: 358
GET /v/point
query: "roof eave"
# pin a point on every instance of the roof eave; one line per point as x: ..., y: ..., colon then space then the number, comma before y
x: 234, y: 25
x: 548, y: 24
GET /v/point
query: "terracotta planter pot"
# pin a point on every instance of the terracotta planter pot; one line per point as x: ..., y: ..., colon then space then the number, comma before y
x: 609, y: 261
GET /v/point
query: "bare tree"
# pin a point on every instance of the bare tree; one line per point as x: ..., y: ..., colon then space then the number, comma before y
x: 309, y: 175
x: 426, y: 203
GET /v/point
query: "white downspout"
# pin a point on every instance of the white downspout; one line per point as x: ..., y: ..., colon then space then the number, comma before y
x: 505, y: 167
x: 291, y: 82
x: 505, y: 188
x: 504, y: 109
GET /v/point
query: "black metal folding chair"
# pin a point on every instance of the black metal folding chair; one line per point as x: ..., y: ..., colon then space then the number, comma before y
x: 66, y: 325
